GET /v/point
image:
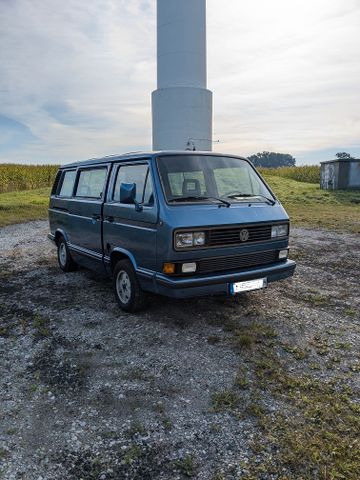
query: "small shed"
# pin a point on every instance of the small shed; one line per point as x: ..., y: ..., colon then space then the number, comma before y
x: 341, y: 174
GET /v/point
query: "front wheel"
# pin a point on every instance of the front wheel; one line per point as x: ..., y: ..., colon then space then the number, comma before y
x: 66, y: 263
x: 128, y: 292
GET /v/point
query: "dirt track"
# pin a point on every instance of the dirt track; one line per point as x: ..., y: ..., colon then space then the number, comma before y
x: 90, y: 392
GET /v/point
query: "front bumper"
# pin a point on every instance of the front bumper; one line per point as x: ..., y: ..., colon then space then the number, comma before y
x: 216, y: 284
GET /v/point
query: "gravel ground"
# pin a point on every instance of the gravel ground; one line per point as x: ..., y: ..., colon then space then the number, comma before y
x: 89, y: 392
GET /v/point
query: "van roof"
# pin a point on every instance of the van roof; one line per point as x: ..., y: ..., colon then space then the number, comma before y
x: 139, y: 155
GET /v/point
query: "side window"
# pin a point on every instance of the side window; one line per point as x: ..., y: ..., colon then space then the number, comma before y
x: 67, y: 185
x: 91, y: 182
x: 138, y: 174
x: 56, y: 182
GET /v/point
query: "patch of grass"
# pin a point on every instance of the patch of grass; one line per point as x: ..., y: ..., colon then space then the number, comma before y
x: 41, y: 326
x: 314, y: 366
x: 355, y: 368
x: 187, y: 465
x: 297, y: 254
x: 317, y: 299
x: 241, y: 381
x: 131, y: 455
x: 4, y: 274
x: 215, y: 428
x: 309, y: 206
x: 167, y: 423
x: 320, y: 344
x: 34, y: 387
x: 247, y: 336
x: 255, y: 409
x: 4, y: 331
x: 136, y: 428
x: 298, y: 353
x: 218, y: 476
x: 351, y: 312
x: 315, y: 432
x: 323, y: 436
x: 3, y: 453
x: 160, y: 408
x: 23, y: 206
x: 225, y: 400
x: 342, y: 346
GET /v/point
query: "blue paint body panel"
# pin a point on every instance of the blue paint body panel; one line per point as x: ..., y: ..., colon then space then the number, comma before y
x: 99, y: 230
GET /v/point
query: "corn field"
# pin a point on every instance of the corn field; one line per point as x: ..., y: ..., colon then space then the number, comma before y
x: 306, y: 173
x: 26, y: 177
x: 29, y: 177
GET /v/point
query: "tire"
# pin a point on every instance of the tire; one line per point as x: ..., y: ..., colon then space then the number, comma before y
x: 129, y: 295
x: 66, y: 262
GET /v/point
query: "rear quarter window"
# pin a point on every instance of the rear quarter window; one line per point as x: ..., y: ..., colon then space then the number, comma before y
x: 67, y: 184
x: 56, y: 183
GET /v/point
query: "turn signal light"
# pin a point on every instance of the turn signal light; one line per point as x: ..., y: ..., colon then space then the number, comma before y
x: 283, y: 254
x: 169, y: 268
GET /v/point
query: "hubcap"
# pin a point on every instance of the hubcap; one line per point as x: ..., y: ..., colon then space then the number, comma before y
x: 123, y: 286
x: 62, y: 254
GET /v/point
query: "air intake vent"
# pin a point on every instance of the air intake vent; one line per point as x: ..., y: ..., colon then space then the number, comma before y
x: 236, y: 262
x: 239, y: 235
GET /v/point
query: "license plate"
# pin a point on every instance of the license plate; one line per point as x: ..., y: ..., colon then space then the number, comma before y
x: 248, y: 286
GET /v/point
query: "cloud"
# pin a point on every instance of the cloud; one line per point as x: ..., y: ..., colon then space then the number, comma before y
x: 289, y: 78
x: 78, y: 76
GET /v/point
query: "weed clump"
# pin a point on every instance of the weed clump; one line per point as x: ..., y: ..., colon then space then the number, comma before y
x: 225, y: 400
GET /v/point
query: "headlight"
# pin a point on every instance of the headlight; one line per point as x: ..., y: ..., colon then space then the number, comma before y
x: 189, y: 239
x: 279, y: 231
x: 199, y: 238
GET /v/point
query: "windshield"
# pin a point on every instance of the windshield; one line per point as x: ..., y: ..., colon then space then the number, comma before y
x: 190, y: 178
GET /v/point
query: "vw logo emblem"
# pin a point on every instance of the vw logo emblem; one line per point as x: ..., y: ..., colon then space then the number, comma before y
x: 244, y: 235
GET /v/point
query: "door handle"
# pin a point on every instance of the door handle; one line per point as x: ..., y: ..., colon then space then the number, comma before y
x: 95, y: 216
x: 110, y: 219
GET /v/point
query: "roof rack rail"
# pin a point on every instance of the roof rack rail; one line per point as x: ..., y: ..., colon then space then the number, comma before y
x: 128, y: 153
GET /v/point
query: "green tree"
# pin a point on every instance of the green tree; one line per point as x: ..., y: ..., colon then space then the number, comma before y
x: 343, y: 156
x: 272, y: 160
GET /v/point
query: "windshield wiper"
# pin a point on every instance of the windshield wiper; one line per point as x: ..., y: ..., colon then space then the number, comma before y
x: 190, y: 198
x: 250, y: 195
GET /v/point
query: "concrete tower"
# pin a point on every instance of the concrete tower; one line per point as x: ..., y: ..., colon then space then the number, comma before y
x: 181, y: 105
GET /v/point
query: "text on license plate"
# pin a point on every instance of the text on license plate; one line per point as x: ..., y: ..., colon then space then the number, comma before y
x: 248, y: 285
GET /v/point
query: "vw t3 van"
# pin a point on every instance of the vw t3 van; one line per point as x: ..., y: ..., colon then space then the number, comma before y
x: 180, y: 224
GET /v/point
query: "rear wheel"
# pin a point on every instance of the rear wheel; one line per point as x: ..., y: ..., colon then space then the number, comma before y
x: 128, y: 293
x: 66, y: 262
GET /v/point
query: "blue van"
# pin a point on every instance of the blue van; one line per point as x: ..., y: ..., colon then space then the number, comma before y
x: 180, y: 224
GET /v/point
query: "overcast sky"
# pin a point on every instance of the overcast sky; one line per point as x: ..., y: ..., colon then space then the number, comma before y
x: 76, y: 77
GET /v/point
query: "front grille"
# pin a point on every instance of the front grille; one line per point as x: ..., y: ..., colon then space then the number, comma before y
x: 236, y: 262
x: 231, y: 236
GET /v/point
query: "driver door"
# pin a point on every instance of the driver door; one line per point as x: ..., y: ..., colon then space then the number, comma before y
x: 125, y: 228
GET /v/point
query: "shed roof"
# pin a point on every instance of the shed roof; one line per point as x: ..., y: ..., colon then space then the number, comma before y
x: 342, y: 160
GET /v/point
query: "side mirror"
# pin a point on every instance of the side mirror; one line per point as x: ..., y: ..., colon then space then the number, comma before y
x: 128, y: 195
